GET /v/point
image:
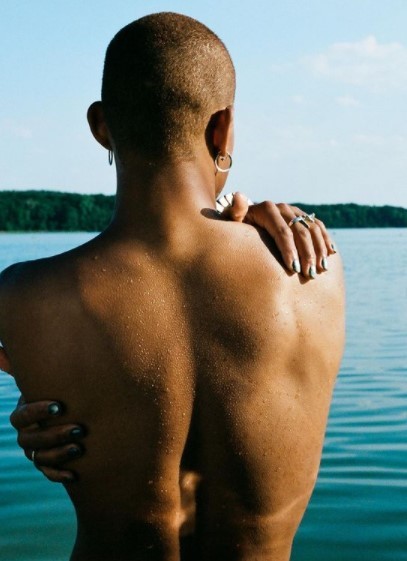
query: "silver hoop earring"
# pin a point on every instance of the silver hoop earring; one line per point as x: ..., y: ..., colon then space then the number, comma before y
x: 110, y: 157
x: 220, y: 158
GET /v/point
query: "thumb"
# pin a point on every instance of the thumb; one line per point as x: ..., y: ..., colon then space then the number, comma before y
x: 237, y: 212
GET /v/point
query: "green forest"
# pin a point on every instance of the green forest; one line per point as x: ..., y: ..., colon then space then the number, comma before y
x: 53, y: 211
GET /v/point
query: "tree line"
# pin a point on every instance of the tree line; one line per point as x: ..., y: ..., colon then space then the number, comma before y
x: 53, y: 211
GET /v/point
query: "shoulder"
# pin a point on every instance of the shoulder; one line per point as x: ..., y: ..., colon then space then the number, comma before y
x: 20, y: 275
x: 10, y: 280
x: 250, y: 256
x: 15, y: 282
x: 247, y: 279
x: 12, y: 277
x: 246, y: 258
x: 233, y: 246
x: 31, y: 283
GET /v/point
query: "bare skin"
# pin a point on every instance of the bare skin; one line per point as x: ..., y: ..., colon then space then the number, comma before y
x: 198, y: 360
x: 52, y: 445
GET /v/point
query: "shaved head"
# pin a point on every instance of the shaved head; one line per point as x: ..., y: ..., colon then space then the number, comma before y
x: 164, y: 76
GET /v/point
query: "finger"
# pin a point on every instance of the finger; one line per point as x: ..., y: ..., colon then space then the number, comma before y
x: 238, y: 210
x: 305, y: 246
x: 320, y: 249
x: 56, y: 457
x: 31, y: 413
x: 330, y: 246
x: 268, y: 216
x: 57, y: 475
x: 49, y: 437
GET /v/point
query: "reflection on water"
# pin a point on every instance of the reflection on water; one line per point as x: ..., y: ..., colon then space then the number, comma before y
x: 359, y: 507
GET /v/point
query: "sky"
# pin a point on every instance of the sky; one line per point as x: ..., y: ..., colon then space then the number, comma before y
x: 320, y: 107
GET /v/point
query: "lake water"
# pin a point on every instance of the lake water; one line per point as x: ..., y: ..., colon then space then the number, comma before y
x: 359, y: 508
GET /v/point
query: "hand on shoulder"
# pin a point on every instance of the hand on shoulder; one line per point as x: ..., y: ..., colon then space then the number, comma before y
x: 302, y: 239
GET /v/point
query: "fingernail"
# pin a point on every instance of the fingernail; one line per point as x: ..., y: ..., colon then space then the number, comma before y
x: 333, y: 246
x: 73, y: 452
x: 325, y: 263
x: 54, y: 409
x: 77, y: 432
x: 296, y: 266
x: 312, y: 272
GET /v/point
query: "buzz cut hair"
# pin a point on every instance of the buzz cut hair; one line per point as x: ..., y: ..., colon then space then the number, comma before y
x: 164, y: 76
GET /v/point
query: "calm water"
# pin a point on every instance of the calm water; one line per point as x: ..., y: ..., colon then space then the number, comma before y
x: 359, y: 508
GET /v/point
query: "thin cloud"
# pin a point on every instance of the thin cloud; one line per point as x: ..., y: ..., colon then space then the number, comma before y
x: 298, y: 99
x: 347, y: 101
x: 370, y: 139
x: 364, y: 63
x: 394, y: 143
x: 17, y: 130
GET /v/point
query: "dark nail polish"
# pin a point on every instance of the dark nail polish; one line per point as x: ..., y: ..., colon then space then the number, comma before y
x: 54, y: 409
x: 77, y: 432
x: 312, y: 272
x: 74, y: 452
x: 296, y: 266
x: 325, y: 263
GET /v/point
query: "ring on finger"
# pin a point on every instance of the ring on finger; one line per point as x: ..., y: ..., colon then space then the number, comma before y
x: 33, y: 453
x: 309, y: 218
x: 299, y: 219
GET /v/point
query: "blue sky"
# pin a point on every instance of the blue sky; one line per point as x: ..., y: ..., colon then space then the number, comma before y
x: 321, y: 101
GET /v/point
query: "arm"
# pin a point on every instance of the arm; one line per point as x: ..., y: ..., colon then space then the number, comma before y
x: 307, y: 247
x: 52, y: 445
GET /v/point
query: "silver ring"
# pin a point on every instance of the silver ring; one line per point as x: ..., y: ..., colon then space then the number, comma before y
x: 309, y: 217
x: 33, y: 456
x: 300, y: 219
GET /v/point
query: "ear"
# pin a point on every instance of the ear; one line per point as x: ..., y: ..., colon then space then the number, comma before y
x: 222, y: 131
x: 97, y: 124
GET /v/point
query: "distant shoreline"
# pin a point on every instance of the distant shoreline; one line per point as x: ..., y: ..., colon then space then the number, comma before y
x: 61, y: 232
x: 55, y: 211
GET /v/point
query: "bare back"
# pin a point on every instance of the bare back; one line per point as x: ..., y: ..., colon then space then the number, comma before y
x: 215, y: 359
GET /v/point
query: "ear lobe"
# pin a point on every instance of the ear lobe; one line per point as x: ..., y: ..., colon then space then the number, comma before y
x: 97, y: 124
